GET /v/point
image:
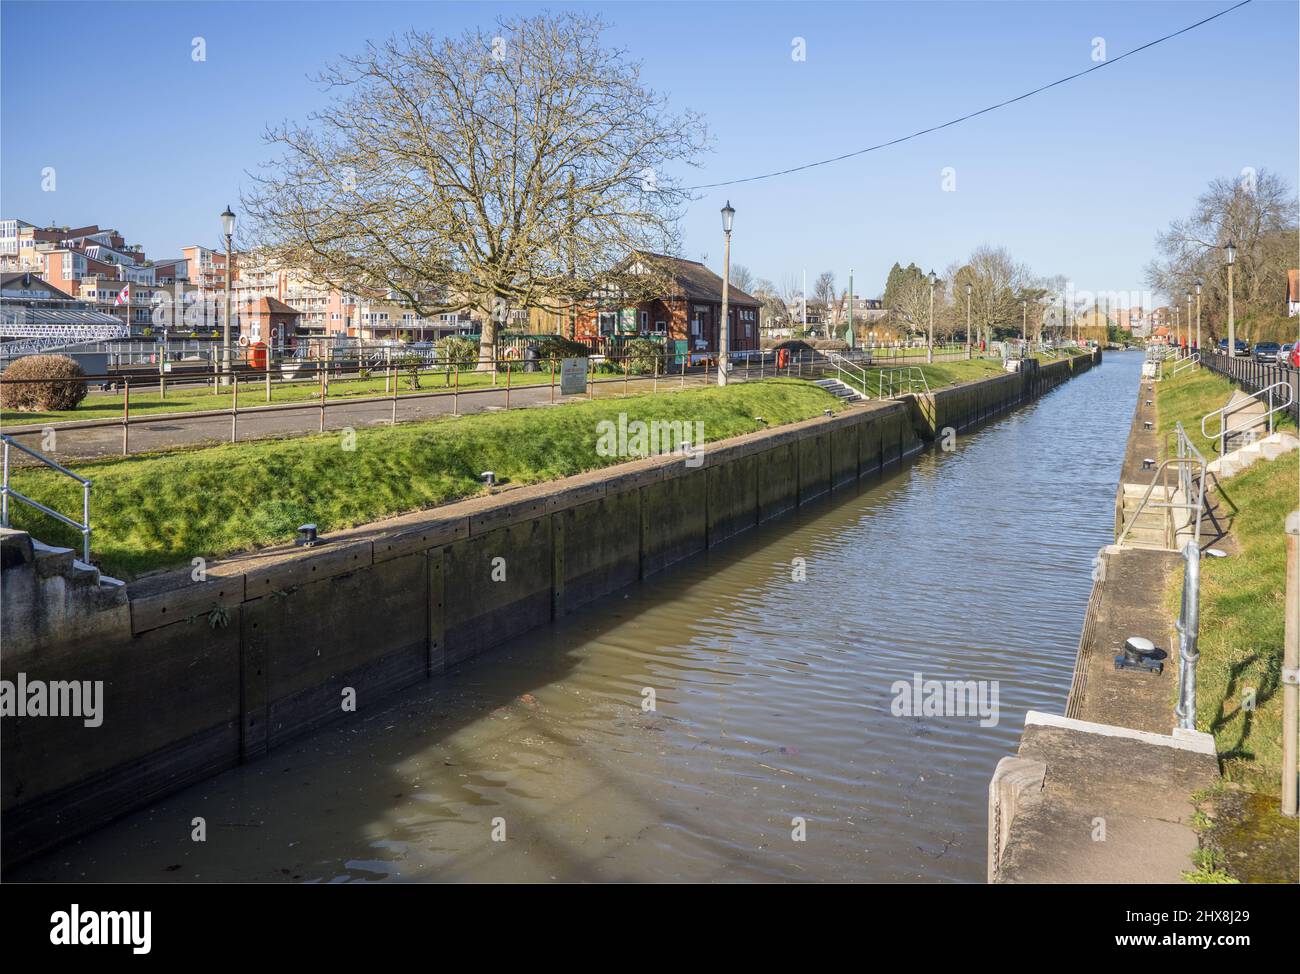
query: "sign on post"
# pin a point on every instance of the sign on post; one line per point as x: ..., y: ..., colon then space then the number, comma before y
x: 573, y: 376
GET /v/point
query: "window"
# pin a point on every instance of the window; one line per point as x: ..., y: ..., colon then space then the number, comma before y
x: 660, y: 327
x: 608, y: 322
x: 645, y: 321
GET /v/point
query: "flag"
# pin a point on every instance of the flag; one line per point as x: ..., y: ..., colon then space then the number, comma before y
x: 124, y: 296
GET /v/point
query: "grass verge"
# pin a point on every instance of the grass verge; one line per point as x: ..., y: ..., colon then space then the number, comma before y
x: 1239, y: 698
x: 146, y: 400
x: 1191, y: 396
x: 159, y: 511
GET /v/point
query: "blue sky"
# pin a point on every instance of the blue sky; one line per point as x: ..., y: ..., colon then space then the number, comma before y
x: 1074, y: 181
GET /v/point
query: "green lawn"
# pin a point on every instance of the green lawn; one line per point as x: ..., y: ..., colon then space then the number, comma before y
x: 1191, y: 396
x: 145, y: 398
x: 1242, y: 623
x: 159, y: 511
x: 940, y: 374
x: 1242, y: 620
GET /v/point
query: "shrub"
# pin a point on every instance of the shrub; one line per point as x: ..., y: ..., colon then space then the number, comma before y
x: 50, y: 395
x: 642, y: 355
x: 458, y: 350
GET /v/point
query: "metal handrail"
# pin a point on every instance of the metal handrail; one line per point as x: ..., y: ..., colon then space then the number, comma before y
x: 1190, y: 464
x: 904, y: 376
x: 843, y: 367
x: 1188, y: 626
x: 1186, y: 364
x: 6, y: 492
x: 1232, y: 407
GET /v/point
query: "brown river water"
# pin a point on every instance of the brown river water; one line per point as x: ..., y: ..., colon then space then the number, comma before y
x: 773, y: 752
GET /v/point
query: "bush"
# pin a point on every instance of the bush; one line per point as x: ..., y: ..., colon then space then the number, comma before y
x: 458, y: 350
x: 48, y: 396
x: 642, y: 355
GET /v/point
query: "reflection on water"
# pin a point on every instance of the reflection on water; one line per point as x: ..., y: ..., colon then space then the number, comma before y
x: 772, y: 701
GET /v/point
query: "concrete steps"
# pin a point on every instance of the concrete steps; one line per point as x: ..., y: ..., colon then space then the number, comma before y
x: 1268, y: 447
x: 52, y: 561
x: 841, y: 390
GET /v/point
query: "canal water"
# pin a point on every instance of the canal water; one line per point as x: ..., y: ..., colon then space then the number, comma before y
x: 779, y: 746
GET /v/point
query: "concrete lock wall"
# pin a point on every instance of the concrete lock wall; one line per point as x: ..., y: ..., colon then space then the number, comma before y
x: 200, y: 675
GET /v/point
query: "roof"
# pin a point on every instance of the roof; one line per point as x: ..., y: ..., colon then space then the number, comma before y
x: 29, y: 281
x: 695, y: 281
x: 59, y: 316
x: 274, y: 306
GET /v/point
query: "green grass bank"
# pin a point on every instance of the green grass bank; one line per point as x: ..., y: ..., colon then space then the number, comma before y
x: 1242, y: 596
x: 160, y: 511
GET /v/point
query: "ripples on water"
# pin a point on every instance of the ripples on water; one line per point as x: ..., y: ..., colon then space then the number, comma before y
x: 773, y: 700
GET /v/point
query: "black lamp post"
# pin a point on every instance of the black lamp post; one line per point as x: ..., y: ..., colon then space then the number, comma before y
x: 724, y: 343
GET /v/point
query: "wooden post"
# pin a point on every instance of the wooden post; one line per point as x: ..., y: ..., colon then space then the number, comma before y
x: 509, y: 373
x: 1291, y: 665
x: 655, y: 387
x: 322, y: 398
x: 268, y: 375
x: 552, y: 380
x: 626, y: 365
x: 126, y: 416
x: 234, y: 404
x: 390, y: 381
x: 455, y: 394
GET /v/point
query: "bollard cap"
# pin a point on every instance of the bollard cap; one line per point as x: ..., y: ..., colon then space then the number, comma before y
x: 1139, y: 645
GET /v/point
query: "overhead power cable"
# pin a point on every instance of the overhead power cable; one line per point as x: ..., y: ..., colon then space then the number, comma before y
x: 982, y: 111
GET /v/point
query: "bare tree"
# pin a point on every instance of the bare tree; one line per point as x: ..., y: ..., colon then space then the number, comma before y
x: 996, y: 280
x: 501, y: 169
x: 742, y: 278
x: 911, y: 302
x: 792, y: 295
x: 1256, y: 212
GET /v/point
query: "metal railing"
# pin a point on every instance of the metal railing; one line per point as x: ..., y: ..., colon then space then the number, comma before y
x: 1188, y: 626
x: 313, y: 387
x: 909, y: 380
x: 1186, y: 364
x: 1254, y: 420
x: 1253, y: 375
x: 850, y: 373
x: 1189, y: 464
x: 6, y: 491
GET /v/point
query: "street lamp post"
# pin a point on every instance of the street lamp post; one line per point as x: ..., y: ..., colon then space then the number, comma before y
x: 968, y: 291
x: 929, y: 350
x: 728, y: 215
x: 1189, y: 317
x: 1024, y: 324
x: 850, y: 335
x: 1198, y: 314
x: 1231, y: 251
x: 227, y: 228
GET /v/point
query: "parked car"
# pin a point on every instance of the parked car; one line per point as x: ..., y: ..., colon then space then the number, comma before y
x: 1267, y: 352
x: 1289, y: 357
x: 1284, y: 353
x: 1223, y: 347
